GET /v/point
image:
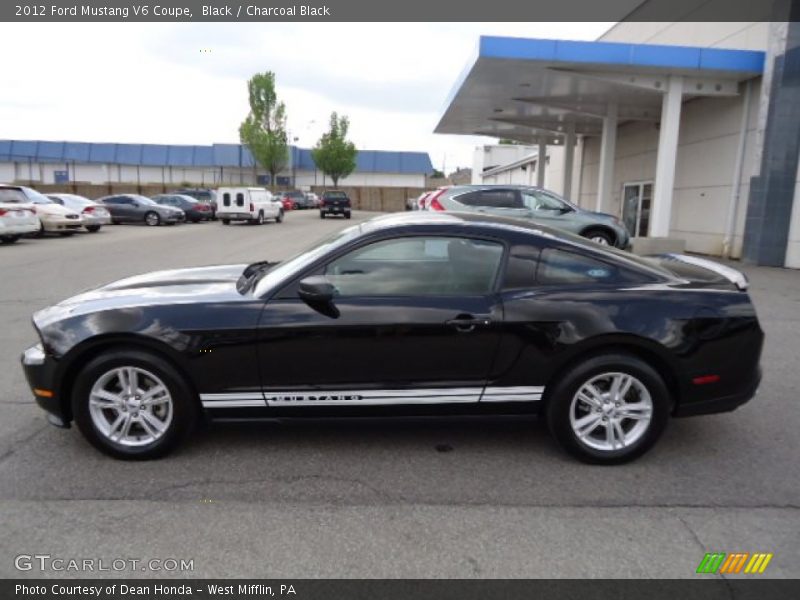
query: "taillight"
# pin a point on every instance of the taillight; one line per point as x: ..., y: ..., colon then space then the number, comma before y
x: 252, y: 207
x: 89, y: 209
x: 4, y: 212
x: 433, y: 203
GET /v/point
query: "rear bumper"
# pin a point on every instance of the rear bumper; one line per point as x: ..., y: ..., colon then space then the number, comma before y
x: 19, y: 227
x: 722, y: 403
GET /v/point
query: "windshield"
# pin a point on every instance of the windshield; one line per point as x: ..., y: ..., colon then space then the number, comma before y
x: 304, y: 258
x: 37, y: 198
x: 12, y: 195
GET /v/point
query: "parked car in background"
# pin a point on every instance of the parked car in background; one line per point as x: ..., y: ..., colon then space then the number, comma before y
x: 534, y: 204
x: 133, y: 208
x: 93, y: 214
x: 297, y: 198
x: 313, y: 199
x: 194, y: 209
x: 53, y: 218
x: 334, y: 202
x: 206, y: 195
x: 17, y: 216
x: 251, y: 204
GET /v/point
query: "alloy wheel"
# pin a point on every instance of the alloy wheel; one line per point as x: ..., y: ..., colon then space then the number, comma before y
x: 130, y: 406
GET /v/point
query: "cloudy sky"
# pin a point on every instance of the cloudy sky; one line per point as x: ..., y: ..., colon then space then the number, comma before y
x: 186, y: 83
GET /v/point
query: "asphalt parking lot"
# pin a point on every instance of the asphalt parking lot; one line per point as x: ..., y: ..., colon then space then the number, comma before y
x: 458, y: 498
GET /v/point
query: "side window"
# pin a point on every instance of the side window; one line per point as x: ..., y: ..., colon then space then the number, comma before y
x: 226, y: 199
x: 521, y: 268
x: 500, y: 199
x: 240, y: 199
x: 491, y: 199
x: 419, y: 266
x: 539, y: 201
x: 561, y: 267
x: 124, y: 200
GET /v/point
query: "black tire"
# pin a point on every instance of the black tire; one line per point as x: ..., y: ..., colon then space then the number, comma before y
x: 347, y: 215
x: 65, y: 233
x: 226, y: 221
x: 185, y: 408
x: 321, y: 215
x: 260, y: 220
x: 41, y: 232
x: 559, y: 405
x: 600, y: 236
x: 152, y: 219
x: 279, y: 218
x: 93, y: 228
x: 9, y: 239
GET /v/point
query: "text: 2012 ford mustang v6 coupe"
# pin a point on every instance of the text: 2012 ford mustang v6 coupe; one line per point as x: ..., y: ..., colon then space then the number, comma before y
x: 414, y: 314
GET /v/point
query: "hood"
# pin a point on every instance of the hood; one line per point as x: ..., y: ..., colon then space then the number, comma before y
x: 176, y: 286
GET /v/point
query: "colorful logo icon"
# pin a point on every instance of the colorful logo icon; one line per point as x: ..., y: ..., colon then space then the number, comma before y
x: 734, y: 563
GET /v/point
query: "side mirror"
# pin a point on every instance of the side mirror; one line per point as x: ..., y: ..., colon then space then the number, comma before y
x: 319, y: 293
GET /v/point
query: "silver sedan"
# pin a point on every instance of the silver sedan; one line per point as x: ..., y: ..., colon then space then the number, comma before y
x: 94, y: 214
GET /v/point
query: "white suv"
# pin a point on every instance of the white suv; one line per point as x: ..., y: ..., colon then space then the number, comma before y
x: 251, y: 204
x: 17, y: 217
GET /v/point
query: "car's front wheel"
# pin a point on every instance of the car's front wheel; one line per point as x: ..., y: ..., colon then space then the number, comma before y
x: 152, y: 219
x: 132, y: 405
x: 9, y: 239
x: 610, y: 409
x: 93, y: 228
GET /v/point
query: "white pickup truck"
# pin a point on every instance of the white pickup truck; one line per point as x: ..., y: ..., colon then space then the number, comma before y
x: 251, y: 204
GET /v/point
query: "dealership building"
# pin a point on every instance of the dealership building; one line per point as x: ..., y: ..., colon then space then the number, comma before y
x: 686, y: 131
x: 48, y: 162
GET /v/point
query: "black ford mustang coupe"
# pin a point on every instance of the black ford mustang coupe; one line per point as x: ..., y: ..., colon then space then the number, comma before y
x: 412, y: 314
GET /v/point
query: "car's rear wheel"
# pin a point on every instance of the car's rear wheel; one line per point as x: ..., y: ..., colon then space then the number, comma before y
x: 9, y: 239
x: 93, y: 228
x: 610, y: 409
x: 598, y: 236
x: 279, y: 218
x: 260, y: 220
x: 65, y: 233
x: 152, y: 219
x: 132, y: 405
x: 321, y: 215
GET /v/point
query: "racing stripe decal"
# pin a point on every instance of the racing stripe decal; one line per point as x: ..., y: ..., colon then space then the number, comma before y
x: 374, y: 397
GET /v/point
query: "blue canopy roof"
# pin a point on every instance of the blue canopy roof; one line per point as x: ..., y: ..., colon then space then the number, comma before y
x: 214, y: 156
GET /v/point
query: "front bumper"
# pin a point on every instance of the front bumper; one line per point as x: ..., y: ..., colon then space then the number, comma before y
x: 720, y: 404
x: 40, y: 372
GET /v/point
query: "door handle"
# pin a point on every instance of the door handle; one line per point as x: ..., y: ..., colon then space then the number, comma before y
x: 468, y: 323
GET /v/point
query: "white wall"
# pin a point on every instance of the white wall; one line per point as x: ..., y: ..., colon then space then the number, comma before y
x: 704, y: 170
x: 99, y: 173
x: 737, y: 36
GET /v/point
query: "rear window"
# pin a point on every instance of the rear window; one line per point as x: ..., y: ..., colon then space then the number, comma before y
x: 561, y: 267
x: 334, y: 195
x: 12, y: 195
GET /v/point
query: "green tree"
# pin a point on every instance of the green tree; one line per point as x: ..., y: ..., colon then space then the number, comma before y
x: 334, y: 154
x: 264, y: 129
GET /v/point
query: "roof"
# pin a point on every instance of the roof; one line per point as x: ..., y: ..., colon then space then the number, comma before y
x: 214, y: 156
x: 532, y: 89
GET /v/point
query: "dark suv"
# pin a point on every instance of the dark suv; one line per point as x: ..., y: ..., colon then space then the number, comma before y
x: 334, y: 202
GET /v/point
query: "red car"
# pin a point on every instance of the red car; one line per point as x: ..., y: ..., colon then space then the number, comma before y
x: 288, y: 203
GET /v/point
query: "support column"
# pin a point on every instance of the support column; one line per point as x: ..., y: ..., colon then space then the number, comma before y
x: 664, y: 187
x: 541, y: 163
x: 569, y: 156
x: 608, y: 148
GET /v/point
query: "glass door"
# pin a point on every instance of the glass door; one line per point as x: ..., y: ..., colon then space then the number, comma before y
x: 636, y: 200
